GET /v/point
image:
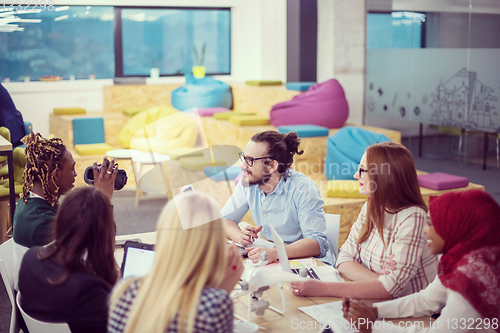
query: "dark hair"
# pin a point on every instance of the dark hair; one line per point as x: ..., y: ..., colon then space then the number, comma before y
x: 84, y: 236
x: 280, y: 147
x: 42, y: 157
x: 397, y: 186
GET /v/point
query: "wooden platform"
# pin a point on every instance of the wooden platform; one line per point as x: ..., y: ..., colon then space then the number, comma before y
x: 258, y: 99
x: 217, y: 132
x: 62, y: 126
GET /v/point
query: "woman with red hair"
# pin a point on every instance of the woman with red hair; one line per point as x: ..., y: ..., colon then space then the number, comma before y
x: 466, y: 230
x: 385, y: 254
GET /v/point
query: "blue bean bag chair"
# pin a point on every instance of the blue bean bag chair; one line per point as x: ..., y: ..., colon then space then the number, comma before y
x: 304, y: 131
x: 299, y: 86
x: 202, y: 93
x: 344, y: 150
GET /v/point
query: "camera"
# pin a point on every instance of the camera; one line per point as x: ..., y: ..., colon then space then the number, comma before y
x: 120, y: 181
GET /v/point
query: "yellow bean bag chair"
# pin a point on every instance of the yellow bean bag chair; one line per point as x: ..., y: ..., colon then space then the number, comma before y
x: 158, y: 129
x: 344, y: 189
x: 5, y: 132
x: 19, y: 159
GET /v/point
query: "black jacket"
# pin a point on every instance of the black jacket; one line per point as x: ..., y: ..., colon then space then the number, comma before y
x: 81, y: 301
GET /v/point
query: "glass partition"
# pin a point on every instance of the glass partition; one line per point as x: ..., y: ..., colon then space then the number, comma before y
x: 432, y: 72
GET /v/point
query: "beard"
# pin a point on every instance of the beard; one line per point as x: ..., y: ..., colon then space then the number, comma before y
x: 261, y: 180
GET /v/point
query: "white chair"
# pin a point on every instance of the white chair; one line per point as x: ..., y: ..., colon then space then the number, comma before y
x: 7, y: 272
x: 332, y: 231
x: 36, y: 326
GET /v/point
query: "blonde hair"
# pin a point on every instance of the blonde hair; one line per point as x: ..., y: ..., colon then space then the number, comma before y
x: 186, y: 262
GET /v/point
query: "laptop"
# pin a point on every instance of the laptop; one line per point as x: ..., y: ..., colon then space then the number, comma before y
x: 138, y: 259
x: 283, y: 257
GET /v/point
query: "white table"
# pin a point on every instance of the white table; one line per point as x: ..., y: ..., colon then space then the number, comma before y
x: 271, y: 321
x: 123, y: 153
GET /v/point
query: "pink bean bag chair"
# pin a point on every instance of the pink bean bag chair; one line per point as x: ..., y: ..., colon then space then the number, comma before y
x: 323, y: 104
x: 209, y: 112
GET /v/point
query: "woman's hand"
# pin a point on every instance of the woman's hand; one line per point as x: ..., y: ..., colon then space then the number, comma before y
x: 346, y: 301
x: 105, y: 181
x: 311, y: 287
x: 389, y: 265
x: 234, y: 268
x: 359, y: 314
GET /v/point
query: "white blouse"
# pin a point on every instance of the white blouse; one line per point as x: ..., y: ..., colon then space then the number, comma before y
x: 457, y: 314
x: 404, y: 237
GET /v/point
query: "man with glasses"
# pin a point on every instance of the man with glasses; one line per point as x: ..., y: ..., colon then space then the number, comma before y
x: 279, y: 196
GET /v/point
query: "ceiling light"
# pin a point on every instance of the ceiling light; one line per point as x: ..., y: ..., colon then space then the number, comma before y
x: 30, y: 20
x: 61, y: 18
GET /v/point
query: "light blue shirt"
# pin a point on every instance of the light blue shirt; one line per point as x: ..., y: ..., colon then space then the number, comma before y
x: 294, y: 209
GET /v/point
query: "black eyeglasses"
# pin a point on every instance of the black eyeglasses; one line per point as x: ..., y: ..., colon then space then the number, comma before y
x: 249, y: 160
x: 361, y: 170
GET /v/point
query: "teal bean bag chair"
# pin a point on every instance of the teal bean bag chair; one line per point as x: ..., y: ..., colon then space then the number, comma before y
x: 202, y: 93
x: 217, y: 173
x: 344, y: 150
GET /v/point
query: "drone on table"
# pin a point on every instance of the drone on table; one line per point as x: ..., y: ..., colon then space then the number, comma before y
x: 256, y: 280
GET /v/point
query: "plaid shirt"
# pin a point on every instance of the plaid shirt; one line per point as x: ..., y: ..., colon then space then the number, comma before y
x: 215, y: 311
x: 403, y: 233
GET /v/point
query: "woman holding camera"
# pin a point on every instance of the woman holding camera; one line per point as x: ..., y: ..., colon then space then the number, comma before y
x: 187, y: 290
x: 49, y: 174
x: 70, y: 279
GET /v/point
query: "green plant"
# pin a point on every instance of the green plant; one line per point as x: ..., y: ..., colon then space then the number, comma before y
x: 154, y: 63
x: 156, y: 60
x: 199, y: 60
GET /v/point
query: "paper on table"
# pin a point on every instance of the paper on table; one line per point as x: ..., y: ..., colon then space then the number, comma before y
x: 299, y: 263
x: 328, y: 274
x: 331, y: 314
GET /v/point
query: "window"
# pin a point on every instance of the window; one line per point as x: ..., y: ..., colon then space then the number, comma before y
x: 395, y: 30
x: 60, y: 41
x: 107, y: 41
x: 174, y: 40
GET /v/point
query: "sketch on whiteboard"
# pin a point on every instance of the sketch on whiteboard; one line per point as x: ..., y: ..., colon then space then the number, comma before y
x: 463, y: 101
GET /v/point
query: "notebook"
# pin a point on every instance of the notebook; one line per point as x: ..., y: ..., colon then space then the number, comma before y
x: 138, y: 259
x: 283, y: 257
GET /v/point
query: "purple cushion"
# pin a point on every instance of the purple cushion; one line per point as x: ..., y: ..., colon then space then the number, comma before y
x: 209, y: 112
x: 324, y: 104
x: 442, y: 181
